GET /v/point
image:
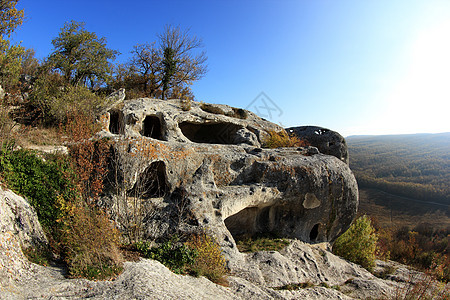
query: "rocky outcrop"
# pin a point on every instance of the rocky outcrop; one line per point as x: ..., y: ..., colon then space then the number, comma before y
x: 205, y: 167
x: 19, y: 228
x: 327, y: 141
x: 256, y: 275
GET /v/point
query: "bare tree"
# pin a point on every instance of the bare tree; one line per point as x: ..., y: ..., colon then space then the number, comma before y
x: 146, y: 61
x: 166, y: 69
x: 181, y: 64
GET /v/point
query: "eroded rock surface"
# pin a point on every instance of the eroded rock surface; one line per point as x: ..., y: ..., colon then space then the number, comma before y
x: 205, y: 167
x: 255, y: 275
x: 327, y: 141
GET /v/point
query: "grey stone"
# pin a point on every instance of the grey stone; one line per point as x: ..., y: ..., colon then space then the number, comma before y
x: 2, y: 93
x: 327, y: 141
x: 117, y: 96
x: 255, y: 275
x: 229, y: 188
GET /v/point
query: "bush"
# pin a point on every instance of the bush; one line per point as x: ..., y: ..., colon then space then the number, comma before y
x: 209, y: 262
x: 83, y: 234
x: 282, y: 139
x: 38, y: 180
x: 89, y: 240
x: 174, y: 255
x: 200, y: 255
x: 358, y: 244
x: 57, y: 100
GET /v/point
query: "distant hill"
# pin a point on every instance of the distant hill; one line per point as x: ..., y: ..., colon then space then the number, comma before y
x: 412, y: 165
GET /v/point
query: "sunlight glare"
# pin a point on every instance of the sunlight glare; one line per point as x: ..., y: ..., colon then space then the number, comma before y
x: 420, y: 102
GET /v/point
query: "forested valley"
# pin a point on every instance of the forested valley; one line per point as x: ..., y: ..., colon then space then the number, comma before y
x: 415, y: 166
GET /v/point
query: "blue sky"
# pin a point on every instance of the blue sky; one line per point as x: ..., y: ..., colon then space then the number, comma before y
x: 357, y: 67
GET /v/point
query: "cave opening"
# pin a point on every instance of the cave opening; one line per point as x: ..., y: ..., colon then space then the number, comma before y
x: 251, y: 222
x: 218, y: 133
x: 314, y: 233
x: 152, y: 127
x: 152, y: 183
x: 116, y: 125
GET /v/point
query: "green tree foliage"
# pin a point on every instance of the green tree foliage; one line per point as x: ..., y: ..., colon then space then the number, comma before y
x: 10, y: 64
x: 81, y: 56
x: 358, y: 244
x: 10, y: 55
x: 169, y: 68
x: 165, y: 69
x: 10, y: 17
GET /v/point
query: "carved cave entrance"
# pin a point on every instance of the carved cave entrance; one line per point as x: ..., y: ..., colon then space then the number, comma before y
x: 152, y: 127
x: 273, y: 221
x: 152, y: 183
x: 218, y: 133
x: 250, y: 222
x: 116, y: 125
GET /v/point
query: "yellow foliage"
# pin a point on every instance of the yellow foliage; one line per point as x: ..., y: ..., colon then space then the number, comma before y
x: 90, y: 241
x: 282, y: 139
x: 209, y: 261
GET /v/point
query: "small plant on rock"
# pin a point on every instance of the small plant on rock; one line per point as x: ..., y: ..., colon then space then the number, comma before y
x: 209, y: 262
x: 282, y: 139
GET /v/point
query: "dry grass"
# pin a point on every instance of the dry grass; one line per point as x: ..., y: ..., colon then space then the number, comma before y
x: 282, y: 139
x: 254, y: 244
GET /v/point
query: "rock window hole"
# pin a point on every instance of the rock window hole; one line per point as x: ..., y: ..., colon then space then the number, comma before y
x: 116, y: 125
x: 314, y: 233
x: 152, y: 127
x: 152, y: 183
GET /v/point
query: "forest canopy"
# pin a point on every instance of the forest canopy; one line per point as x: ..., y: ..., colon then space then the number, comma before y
x: 415, y: 166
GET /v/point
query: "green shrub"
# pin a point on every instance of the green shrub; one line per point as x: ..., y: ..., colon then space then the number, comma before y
x: 38, y: 180
x: 56, y: 100
x: 81, y: 233
x: 358, y: 244
x: 174, y: 255
x: 200, y: 255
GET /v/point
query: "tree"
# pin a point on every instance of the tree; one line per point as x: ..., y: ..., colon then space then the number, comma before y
x: 10, y: 56
x: 10, y: 17
x: 181, y: 65
x: 146, y: 61
x: 166, y: 69
x: 81, y: 56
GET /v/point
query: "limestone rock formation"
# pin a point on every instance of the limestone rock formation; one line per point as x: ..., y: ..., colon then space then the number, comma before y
x: 204, y: 169
x: 255, y: 275
x: 327, y: 141
x: 19, y: 228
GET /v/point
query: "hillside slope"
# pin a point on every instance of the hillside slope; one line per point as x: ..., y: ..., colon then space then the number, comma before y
x: 415, y: 166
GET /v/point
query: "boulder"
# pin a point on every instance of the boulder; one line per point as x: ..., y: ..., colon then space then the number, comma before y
x: 327, y: 141
x: 203, y: 169
x: 19, y: 228
x: 2, y: 93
